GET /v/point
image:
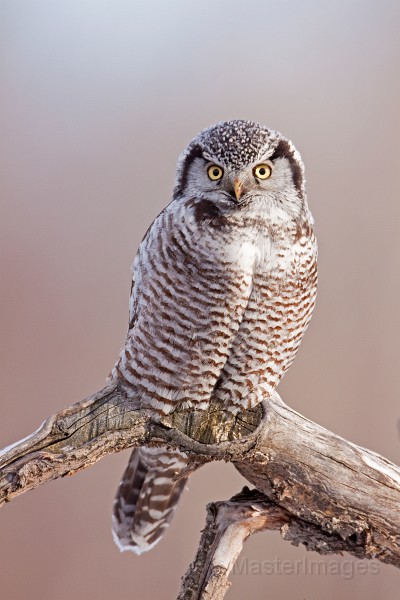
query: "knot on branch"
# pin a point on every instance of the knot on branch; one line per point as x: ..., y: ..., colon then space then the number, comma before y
x: 214, y: 425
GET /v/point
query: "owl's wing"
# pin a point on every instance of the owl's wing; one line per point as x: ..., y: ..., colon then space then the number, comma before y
x: 132, y: 304
x: 187, y: 302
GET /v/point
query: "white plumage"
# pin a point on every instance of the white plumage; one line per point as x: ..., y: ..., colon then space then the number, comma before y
x: 224, y: 285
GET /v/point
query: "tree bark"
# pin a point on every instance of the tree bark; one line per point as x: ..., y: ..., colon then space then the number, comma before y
x: 230, y: 523
x: 319, y: 489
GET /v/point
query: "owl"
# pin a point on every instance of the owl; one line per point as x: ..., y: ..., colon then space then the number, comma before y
x: 224, y: 286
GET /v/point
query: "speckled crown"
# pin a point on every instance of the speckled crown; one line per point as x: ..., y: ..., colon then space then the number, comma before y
x: 237, y: 143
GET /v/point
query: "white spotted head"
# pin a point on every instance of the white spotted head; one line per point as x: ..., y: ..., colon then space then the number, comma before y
x: 237, y: 164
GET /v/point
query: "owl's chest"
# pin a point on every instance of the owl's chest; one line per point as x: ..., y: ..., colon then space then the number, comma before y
x: 263, y: 256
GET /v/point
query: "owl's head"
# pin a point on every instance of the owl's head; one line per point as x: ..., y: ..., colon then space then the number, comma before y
x: 237, y: 164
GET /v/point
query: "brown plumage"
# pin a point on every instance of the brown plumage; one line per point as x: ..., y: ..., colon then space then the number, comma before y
x: 224, y: 288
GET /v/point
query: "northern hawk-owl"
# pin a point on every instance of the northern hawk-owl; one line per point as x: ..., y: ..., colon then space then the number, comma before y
x: 224, y: 286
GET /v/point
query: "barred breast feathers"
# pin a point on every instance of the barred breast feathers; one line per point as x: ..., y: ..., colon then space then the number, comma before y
x: 194, y: 276
x: 224, y: 286
x: 186, y: 308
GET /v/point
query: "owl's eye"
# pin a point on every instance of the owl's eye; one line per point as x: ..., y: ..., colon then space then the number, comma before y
x: 262, y: 171
x: 215, y: 172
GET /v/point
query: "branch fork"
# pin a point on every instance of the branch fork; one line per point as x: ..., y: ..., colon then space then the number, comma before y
x: 315, y: 487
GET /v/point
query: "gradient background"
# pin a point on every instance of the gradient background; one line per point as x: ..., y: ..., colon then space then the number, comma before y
x: 97, y: 100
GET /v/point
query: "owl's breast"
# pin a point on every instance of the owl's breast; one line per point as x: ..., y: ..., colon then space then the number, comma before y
x: 262, y: 254
x: 279, y: 309
x: 245, y: 254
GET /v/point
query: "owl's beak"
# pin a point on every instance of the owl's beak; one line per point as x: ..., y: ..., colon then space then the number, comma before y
x: 237, y: 186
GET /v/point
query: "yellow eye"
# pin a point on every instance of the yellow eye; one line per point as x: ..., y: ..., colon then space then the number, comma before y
x: 215, y: 172
x: 262, y: 171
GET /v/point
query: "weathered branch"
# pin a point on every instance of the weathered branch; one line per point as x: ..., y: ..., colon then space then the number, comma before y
x: 106, y: 422
x: 229, y: 524
x: 73, y: 439
x: 327, y: 481
x: 327, y: 485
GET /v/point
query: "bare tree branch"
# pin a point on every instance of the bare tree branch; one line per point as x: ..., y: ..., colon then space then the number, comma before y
x: 73, y: 439
x: 319, y: 488
x: 106, y: 422
x: 230, y: 523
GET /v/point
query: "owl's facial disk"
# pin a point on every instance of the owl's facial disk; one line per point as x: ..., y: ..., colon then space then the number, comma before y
x: 237, y: 186
x: 230, y: 188
x: 243, y: 166
x: 236, y: 182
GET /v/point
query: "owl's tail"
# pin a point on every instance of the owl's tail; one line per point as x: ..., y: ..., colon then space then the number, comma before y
x: 146, y: 498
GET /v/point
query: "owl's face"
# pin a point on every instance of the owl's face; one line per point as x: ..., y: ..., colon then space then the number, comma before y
x: 239, y: 165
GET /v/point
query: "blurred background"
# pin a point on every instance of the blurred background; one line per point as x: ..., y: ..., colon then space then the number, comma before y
x: 97, y: 100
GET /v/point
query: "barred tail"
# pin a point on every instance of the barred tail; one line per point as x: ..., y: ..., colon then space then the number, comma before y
x: 147, y: 497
